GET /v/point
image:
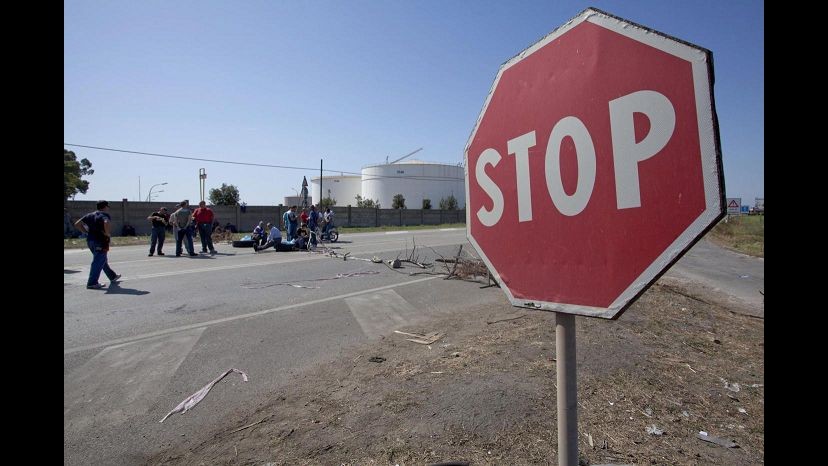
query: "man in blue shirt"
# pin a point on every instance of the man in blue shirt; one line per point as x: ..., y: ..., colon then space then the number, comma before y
x: 97, y: 226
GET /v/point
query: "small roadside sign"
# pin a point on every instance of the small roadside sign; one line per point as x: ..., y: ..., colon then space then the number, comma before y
x: 734, y: 205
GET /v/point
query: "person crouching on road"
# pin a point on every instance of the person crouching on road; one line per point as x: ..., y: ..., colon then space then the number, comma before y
x: 259, y: 235
x: 274, y: 240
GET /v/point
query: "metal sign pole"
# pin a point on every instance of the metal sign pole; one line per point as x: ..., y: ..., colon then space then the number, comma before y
x: 567, y: 389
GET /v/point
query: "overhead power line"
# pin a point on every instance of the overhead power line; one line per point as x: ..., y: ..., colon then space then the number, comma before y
x: 202, y: 159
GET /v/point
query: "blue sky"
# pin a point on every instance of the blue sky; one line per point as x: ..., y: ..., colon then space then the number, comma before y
x: 350, y: 82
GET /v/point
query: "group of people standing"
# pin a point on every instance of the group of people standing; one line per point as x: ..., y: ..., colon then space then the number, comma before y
x: 313, y: 219
x: 97, y: 227
x: 184, y: 222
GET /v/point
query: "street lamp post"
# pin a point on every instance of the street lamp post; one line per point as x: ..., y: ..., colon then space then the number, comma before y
x: 149, y: 195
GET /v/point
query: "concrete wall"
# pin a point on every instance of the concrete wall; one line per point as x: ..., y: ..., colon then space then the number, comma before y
x: 136, y: 213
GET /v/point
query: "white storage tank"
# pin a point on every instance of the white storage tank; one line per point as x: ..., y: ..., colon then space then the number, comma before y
x: 415, y: 180
x: 343, y: 189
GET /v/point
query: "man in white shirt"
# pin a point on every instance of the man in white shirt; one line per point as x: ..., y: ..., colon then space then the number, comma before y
x: 273, y: 239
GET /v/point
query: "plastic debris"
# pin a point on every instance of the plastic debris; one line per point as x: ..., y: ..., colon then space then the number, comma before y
x: 426, y: 339
x: 733, y: 387
x: 653, y: 430
x: 702, y: 435
x: 196, y: 397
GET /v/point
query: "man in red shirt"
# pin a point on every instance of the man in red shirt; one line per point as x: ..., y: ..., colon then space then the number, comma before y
x: 203, y: 217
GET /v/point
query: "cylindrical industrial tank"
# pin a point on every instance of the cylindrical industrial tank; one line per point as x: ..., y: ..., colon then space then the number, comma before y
x: 343, y: 189
x: 415, y: 180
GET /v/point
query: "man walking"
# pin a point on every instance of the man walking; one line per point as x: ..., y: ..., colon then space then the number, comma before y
x: 97, y: 227
x: 159, y: 221
x: 203, y: 217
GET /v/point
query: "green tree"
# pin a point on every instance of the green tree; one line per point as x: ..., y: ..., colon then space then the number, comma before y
x: 426, y: 204
x: 370, y: 203
x: 448, y: 203
x: 72, y: 173
x: 326, y: 202
x: 227, y: 194
x: 398, y: 202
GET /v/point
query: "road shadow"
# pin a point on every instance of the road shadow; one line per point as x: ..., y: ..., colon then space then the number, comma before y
x: 70, y: 271
x: 116, y: 288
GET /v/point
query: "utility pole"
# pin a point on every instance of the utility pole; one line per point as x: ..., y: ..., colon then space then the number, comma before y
x: 202, y: 176
x: 320, y: 182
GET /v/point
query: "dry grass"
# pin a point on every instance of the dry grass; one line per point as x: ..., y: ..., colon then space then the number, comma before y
x: 743, y: 233
x: 485, y: 394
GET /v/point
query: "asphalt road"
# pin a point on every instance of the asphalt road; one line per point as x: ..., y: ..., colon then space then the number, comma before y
x: 135, y: 350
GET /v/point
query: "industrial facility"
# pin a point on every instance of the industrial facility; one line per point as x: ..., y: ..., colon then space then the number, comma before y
x: 414, y: 179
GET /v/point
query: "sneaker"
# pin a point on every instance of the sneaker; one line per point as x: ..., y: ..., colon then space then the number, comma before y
x: 117, y: 277
x: 150, y: 254
x: 213, y: 252
x: 193, y: 255
x: 204, y: 251
x: 161, y: 254
x: 96, y: 286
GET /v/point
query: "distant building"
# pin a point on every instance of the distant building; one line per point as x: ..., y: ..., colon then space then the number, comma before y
x: 297, y: 200
x: 343, y: 188
x: 414, y: 179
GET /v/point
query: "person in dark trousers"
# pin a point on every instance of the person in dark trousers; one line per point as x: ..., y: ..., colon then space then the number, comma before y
x: 313, y: 224
x: 183, y: 220
x: 97, y: 226
x: 203, y: 217
x: 159, y: 221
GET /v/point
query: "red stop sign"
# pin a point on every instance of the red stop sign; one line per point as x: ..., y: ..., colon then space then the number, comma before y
x: 594, y: 165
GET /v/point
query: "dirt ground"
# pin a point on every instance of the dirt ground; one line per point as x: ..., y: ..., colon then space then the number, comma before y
x: 679, y: 361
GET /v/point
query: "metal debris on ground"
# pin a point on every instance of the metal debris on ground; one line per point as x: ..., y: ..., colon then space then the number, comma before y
x: 196, y: 397
x: 505, y: 319
x: 335, y: 277
x: 426, y: 339
x: 249, y: 425
x: 702, y: 435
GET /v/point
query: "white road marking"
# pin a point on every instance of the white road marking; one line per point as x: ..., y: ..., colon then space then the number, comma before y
x: 181, y: 328
x: 380, y: 313
x: 142, y: 371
